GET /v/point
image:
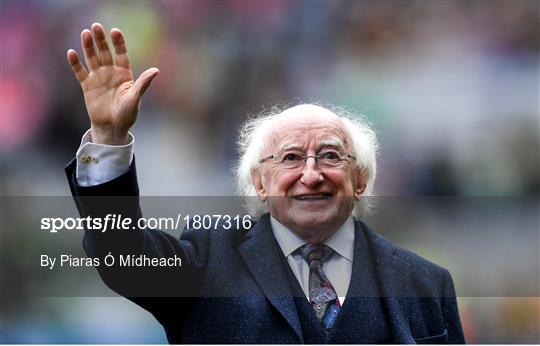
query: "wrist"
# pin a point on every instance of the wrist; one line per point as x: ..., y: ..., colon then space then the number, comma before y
x: 109, y: 136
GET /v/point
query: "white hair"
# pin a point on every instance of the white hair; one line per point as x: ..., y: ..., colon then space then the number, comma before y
x: 255, y: 130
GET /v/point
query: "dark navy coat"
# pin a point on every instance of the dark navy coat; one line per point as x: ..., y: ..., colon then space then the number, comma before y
x: 233, y: 285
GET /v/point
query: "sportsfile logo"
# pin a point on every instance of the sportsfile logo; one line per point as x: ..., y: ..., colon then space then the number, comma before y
x: 110, y: 221
x: 119, y: 222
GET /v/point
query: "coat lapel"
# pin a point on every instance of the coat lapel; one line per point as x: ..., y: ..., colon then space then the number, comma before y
x: 261, y: 255
x: 394, y: 283
x: 349, y: 325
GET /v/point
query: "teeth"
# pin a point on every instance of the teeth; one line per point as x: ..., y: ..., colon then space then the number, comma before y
x: 309, y: 197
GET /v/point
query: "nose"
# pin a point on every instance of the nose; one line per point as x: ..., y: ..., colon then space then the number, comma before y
x: 311, y: 175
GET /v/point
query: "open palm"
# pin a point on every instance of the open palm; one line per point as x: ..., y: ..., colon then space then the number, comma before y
x: 111, y: 95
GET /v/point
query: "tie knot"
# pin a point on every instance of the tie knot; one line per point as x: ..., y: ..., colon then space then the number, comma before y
x: 315, y: 253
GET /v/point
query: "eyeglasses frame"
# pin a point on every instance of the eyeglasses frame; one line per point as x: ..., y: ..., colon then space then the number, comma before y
x: 305, y: 157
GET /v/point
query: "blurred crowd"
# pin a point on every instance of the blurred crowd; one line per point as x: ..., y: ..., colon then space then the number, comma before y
x: 452, y: 88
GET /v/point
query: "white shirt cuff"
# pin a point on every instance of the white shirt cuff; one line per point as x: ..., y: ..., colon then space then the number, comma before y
x: 100, y: 163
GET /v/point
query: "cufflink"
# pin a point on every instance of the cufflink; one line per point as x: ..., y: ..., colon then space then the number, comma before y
x: 88, y: 159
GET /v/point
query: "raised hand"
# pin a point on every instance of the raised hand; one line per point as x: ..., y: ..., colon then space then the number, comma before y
x: 111, y: 96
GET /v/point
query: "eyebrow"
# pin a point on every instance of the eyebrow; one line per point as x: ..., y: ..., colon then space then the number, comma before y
x: 338, y: 143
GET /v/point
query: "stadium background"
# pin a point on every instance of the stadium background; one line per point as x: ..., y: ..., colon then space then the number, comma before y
x: 452, y: 88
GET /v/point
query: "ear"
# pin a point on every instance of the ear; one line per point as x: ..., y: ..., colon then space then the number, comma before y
x: 361, y: 182
x: 256, y: 179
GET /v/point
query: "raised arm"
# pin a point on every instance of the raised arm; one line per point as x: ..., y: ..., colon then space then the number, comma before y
x: 111, y: 95
x: 112, y: 100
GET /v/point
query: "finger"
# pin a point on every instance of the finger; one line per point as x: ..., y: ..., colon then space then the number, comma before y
x: 120, y: 50
x: 76, y: 66
x: 104, y: 53
x: 92, y: 60
x: 144, y: 80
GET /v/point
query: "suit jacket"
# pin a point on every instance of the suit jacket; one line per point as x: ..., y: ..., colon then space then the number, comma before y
x: 233, y: 286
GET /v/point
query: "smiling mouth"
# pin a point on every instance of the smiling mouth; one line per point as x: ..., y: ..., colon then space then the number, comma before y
x: 313, y: 197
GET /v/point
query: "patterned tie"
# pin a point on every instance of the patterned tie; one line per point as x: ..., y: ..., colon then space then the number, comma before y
x: 322, y: 294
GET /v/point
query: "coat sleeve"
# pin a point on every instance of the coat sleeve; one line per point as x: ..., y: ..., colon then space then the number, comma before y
x: 450, y: 312
x: 120, y: 196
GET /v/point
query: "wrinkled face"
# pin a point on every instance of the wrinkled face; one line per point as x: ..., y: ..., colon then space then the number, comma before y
x: 313, y: 200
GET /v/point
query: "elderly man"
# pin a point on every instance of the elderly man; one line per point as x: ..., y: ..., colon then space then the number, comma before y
x: 307, y: 272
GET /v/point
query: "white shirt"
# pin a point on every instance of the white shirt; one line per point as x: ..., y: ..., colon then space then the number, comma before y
x: 338, y: 267
x: 99, y: 163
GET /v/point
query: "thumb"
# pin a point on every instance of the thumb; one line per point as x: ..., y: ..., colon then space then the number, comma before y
x: 144, y: 80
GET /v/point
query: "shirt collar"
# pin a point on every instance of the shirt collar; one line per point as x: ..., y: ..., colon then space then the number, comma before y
x: 341, y: 242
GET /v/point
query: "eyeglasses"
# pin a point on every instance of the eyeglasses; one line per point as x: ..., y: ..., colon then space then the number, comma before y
x: 296, y: 160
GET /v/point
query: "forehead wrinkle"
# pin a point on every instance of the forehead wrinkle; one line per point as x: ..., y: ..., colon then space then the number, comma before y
x: 333, y: 124
x: 332, y: 142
